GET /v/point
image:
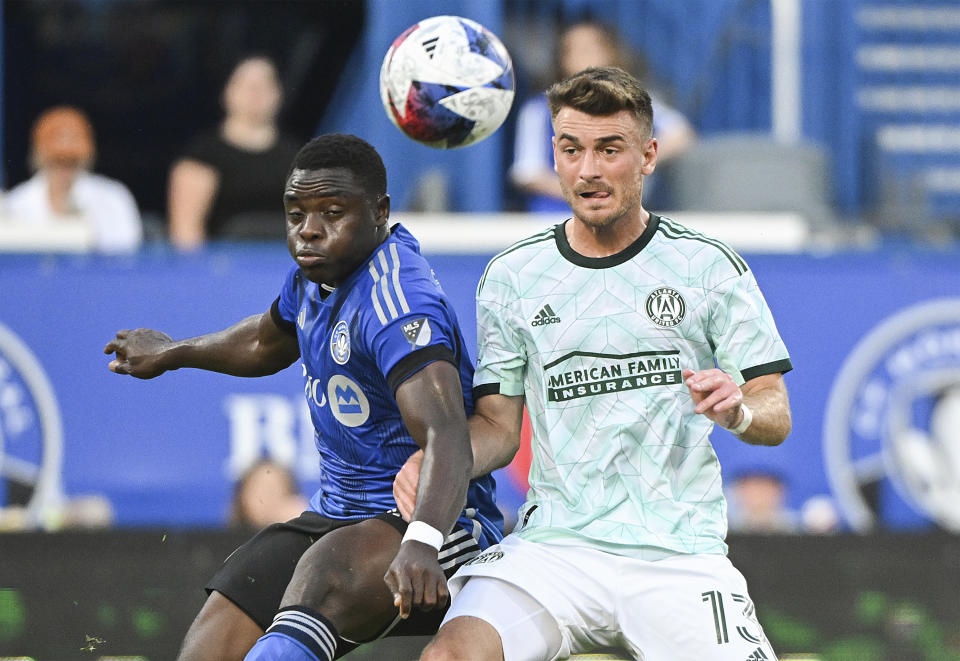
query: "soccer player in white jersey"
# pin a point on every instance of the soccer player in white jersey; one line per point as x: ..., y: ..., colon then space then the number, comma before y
x: 627, y: 336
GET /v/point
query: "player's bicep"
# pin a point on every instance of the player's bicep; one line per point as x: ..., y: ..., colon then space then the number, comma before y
x: 431, y: 403
x: 276, y: 346
x: 769, y: 382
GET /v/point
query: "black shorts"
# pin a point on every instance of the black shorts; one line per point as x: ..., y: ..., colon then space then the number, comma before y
x: 255, y: 575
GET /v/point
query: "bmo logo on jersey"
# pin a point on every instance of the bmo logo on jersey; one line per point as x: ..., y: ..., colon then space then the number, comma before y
x: 347, y: 402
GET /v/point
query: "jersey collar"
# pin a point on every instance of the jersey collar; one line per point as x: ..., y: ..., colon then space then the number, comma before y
x: 624, y: 255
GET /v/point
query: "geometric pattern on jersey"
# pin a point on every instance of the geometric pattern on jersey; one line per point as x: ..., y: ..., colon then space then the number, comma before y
x: 358, y: 343
x: 597, y: 345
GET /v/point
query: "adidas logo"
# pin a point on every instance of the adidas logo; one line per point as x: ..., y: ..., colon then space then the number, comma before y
x: 757, y: 655
x: 430, y: 45
x: 545, y: 316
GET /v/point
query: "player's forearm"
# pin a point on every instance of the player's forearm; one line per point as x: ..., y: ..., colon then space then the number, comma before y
x: 494, y: 445
x: 444, y: 479
x: 238, y: 351
x: 771, y: 422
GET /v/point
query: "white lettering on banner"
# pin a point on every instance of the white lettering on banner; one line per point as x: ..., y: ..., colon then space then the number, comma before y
x: 267, y: 424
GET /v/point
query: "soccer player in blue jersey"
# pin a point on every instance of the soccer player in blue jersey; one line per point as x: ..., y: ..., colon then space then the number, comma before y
x: 386, y: 374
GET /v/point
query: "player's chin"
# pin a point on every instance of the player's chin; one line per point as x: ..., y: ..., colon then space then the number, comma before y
x: 315, y: 273
x: 595, y: 217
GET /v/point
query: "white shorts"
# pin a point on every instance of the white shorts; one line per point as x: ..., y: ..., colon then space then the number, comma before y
x: 680, y: 608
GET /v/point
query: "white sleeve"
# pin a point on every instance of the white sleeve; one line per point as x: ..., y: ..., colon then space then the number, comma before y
x: 501, y: 354
x: 117, y: 218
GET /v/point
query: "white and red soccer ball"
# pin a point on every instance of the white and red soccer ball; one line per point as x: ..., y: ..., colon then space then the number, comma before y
x: 447, y: 82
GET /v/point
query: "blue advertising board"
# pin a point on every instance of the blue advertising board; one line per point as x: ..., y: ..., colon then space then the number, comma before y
x: 874, y: 338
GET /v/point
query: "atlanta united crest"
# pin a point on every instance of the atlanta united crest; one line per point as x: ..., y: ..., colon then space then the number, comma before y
x: 665, y: 307
x: 340, y: 343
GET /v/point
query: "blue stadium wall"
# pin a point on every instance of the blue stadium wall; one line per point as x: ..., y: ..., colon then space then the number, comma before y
x: 166, y: 451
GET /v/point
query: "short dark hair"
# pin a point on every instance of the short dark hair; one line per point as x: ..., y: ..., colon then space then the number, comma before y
x: 339, y: 150
x: 602, y: 91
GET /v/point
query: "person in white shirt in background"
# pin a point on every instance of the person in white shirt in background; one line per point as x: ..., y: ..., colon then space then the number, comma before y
x: 63, y: 191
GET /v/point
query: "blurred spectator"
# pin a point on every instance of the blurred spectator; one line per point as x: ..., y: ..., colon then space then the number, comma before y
x: 581, y: 45
x: 266, y: 493
x: 228, y: 181
x: 83, y: 511
x: 819, y: 516
x: 757, y: 501
x: 65, y: 191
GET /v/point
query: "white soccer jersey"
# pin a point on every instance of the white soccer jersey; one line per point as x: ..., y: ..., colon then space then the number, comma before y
x: 620, y: 460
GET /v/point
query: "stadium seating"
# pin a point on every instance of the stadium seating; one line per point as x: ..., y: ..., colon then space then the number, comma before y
x: 753, y: 172
x: 907, y: 65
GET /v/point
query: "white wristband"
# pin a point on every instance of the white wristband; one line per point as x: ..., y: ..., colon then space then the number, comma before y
x: 747, y: 419
x: 418, y: 531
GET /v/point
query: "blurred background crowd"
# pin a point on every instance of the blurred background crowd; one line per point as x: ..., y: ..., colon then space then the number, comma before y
x: 844, y: 111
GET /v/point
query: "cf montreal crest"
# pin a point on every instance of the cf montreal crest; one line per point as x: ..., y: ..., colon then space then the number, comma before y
x: 893, y: 416
x: 340, y: 343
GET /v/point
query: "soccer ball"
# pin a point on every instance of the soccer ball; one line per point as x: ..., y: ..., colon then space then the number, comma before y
x: 447, y: 82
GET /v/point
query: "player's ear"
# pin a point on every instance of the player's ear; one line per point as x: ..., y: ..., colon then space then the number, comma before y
x: 650, y: 151
x: 383, y: 208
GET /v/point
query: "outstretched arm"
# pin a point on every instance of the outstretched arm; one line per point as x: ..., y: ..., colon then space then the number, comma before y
x: 255, y: 346
x: 717, y: 396
x: 494, y: 439
x: 431, y: 403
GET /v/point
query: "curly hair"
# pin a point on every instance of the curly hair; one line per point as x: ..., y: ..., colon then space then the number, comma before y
x: 339, y: 150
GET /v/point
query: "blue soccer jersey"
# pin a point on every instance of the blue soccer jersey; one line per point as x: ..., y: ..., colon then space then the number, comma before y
x: 358, y: 343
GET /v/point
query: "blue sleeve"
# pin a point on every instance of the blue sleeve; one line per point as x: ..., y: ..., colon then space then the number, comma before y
x: 408, y: 336
x: 287, y: 305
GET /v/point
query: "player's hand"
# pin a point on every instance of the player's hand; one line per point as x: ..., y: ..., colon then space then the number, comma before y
x: 405, y: 485
x: 415, y: 579
x: 715, y: 395
x: 138, y: 352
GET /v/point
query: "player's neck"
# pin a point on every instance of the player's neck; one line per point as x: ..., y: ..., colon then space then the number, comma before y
x: 592, y: 240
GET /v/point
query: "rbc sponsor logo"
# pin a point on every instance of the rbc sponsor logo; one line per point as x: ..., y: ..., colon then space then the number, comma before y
x: 348, y: 403
x: 310, y: 389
